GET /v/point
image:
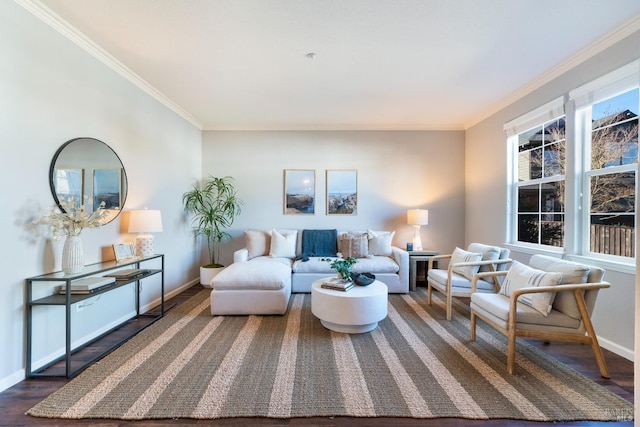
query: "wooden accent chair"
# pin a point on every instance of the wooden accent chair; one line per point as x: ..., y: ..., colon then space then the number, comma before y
x: 570, y: 304
x: 455, y: 280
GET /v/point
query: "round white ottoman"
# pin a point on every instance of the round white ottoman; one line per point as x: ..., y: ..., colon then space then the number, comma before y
x: 355, y: 311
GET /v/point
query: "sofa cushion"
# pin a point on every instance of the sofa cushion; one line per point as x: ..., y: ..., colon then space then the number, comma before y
x: 252, y: 275
x: 375, y: 265
x: 257, y: 242
x: 313, y: 265
x: 380, y: 242
x: 283, y: 245
x: 521, y: 276
x: 572, y: 274
x: 460, y: 255
x: 353, y: 245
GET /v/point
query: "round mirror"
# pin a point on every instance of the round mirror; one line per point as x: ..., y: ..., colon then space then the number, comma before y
x: 90, y: 172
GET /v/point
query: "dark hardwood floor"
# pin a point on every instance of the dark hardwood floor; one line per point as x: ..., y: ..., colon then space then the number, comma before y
x: 15, y: 401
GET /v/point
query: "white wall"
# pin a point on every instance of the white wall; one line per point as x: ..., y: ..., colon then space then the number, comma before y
x: 396, y: 171
x: 53, y: 91
x: 486, y: 190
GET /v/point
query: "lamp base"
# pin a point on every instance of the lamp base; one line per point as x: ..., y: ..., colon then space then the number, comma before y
x: 417, y: 240
x: 144, y: 245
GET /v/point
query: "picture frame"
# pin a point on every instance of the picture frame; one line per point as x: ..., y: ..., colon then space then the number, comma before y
x: 123, y: 251
x: 69, y: 183
x: 342, y: 192
x: 107, y: 188
x: 299, y: 194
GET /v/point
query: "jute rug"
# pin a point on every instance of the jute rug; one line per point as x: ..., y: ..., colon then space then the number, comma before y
x: 415, y: 364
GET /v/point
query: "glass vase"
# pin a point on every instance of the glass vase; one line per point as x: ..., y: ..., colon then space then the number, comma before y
x: 72, y: 255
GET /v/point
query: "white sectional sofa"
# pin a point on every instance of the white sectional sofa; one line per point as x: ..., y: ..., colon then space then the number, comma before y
x: 389, y: 263
x: 275, y: 263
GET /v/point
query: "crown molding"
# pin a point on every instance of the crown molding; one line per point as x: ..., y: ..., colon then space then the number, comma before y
x: 50, y: 18
x: 581, y: 56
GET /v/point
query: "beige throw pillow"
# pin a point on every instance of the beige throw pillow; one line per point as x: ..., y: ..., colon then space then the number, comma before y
x: 257, y: 242
x: 353, y: 245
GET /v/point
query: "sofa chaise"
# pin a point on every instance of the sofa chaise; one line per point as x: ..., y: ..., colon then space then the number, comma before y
x: 275, y: 263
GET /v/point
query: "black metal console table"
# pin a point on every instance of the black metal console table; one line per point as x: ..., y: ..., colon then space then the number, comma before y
x: 68, y: 299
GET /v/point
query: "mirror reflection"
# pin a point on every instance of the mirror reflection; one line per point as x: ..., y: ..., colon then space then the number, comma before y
x: 88, y: 170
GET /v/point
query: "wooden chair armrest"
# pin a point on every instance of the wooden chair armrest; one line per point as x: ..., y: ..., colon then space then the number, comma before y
x: 436, y: 258
x: 559, y: 288
x: 484, y: 274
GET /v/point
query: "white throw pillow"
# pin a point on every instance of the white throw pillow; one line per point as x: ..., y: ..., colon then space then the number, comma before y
x: 521, y: 276
x: 460, y: 255
x: 283, y: 245
x: 380, y: 242
x: 257, y: 242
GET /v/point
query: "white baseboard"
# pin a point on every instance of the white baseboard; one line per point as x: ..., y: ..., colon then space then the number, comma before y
x: 12, y: 379
x: 617, y: 349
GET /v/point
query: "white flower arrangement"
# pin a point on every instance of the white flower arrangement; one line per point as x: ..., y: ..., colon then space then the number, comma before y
x: 73, y: 219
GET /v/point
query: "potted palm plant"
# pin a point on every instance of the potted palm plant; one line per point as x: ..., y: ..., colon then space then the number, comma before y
x: 213, y: 204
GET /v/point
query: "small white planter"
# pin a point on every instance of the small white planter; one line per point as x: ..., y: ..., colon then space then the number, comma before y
x: 207, y: 274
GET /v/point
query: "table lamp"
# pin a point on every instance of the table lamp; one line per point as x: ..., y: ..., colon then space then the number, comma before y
x: 417, y: 218
x: 144, y: 221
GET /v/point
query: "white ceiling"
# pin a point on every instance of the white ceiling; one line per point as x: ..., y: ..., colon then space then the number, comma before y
x: 381, y: 64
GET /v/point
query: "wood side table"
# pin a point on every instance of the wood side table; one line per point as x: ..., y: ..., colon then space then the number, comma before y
x: 414, y: 258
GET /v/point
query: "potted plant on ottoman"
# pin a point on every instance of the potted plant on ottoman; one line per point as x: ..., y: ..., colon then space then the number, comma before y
x: 214, y: 205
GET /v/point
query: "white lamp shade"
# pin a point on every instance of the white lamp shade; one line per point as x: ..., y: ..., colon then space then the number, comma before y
x: 417, y: 217
x: 145, y: 221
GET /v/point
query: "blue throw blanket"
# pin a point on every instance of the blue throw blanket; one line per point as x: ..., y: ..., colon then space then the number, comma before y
x: 319, y: 243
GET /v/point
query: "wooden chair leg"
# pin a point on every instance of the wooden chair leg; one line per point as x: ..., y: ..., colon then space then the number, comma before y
x: 511, y: 352
x: 472, y: 326
x: 591, y: 333
x: 449, y: 305
x: 429, y: 290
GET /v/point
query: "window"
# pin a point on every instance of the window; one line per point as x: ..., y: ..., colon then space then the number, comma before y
x: 538, y: 142
x: 573, y: 179
x: 610, y: 166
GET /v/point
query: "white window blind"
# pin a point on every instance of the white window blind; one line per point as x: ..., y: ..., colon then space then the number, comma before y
x: 547, y: 112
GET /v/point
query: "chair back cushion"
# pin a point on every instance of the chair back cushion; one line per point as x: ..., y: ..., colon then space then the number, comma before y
x: 460, y: 255
x: 520, y: 276
x: 572, y: 273
x: 489, y: 253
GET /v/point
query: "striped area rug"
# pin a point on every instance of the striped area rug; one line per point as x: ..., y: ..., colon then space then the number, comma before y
x: 415, y: 364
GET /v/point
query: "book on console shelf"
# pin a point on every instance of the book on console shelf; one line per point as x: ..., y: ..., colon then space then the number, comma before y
x: 128, y: 274
x: 337, y: 284
x: 87, y: 285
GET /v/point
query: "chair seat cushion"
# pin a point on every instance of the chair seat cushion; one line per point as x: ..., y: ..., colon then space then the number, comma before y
x: 497, y: 306
x: 438, y: 278
x: 253, y: 274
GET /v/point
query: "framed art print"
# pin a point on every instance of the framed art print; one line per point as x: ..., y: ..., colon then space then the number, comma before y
x: 342, y: 192
x: 123, y: 251
x: 299, y: 191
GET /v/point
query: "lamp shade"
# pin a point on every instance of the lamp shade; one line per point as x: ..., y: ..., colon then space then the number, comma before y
x: 417, y: 217
x: 145, y: 221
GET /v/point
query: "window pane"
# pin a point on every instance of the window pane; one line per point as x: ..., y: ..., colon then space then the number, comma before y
x: 552, y: 230
x: 613, y: 193
x: 530, y: 165
x: 528, y: 228
x: 553, y: 196
x: 530, y: 139
x: 614, y: 139
x: 613, y: 235
x: 554, y: 159
x: 529, y: 198
x: 554, y: 131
